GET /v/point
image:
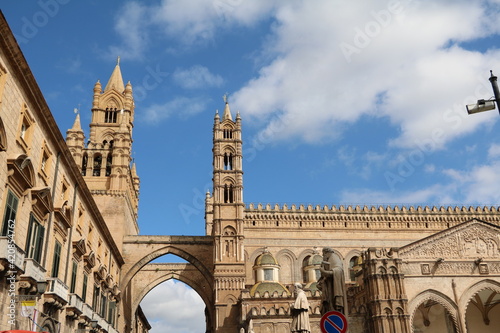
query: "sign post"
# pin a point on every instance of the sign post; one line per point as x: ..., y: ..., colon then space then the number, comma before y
x: 333, y: 322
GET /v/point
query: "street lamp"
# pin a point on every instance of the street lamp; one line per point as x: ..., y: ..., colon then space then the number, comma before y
x: 92, y: 329
x: 93, y: 324
x: 41, y: 287
x: 486, y: 105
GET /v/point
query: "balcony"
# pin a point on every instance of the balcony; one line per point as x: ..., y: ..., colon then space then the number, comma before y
x: 33, y: 270
x: 11, y: 256
x: 103, y: 324
x: 75, y: 306
x: 87, y: 313
x: 33, y: 273
x: 112, y: 329
x: 57, y: 293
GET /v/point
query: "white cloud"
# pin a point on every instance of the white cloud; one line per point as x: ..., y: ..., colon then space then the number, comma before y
x: 437, y: 194
x: 196, y: 77
x: 332, y: 62
x: 182, y: 107
x: 479, y: 184
x: 494, y: 151
x: 476, y: 184
x: 407, y: 67
x: 174, y: 307
x: 195, y: 21
x: 429, y: 168
x: 131, y: 23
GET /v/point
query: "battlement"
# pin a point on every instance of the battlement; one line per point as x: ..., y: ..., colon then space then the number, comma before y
x: 366, y: 217
x: 372, y: 209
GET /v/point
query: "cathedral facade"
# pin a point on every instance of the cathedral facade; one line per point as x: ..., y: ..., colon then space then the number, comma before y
x: 72, y: 258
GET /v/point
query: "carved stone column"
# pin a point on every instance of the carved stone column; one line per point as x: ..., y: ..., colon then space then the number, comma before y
x: 384, y: 283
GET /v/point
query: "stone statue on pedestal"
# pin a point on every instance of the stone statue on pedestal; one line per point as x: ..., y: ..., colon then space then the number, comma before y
x: 300, y: 312
x: 332, y: 283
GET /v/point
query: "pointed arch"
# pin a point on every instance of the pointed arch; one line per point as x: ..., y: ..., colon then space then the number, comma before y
x: 96, y: 168
x: 228, y: 160
x: 475, y: 288
x: 166, y: 274
x: 228, y: 191
x: 112, y: 99
x: 182, y: 250
x: 433, y: 295
x: 144, y: 282
x: 472, y: 291
x: 85, y: 159
x: 227, y: 129
x: 288, y: 263
x: 106, y: 135
x: 352, y: 261
x: 109, y: 163
x: 229, y: 231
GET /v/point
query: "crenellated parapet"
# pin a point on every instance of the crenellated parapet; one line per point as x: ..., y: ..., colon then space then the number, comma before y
x: 363, y: 216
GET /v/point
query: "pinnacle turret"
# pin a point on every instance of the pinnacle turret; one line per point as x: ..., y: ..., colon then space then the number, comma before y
x: 116, y: 79
x: 227, y: 113
x: 77, y: 125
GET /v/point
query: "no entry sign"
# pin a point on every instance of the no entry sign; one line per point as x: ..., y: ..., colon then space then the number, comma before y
x: 333, y: 322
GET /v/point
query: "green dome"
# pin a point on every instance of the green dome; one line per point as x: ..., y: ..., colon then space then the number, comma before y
x: 265, y: 258
x: 315, y: 260
x: 312, y: 260
x: 313, y: 287
x: 270, y: 287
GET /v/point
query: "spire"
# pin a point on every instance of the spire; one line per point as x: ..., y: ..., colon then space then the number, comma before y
x: 76, y: 125
x: 116, y: 80
x: 227, y: 113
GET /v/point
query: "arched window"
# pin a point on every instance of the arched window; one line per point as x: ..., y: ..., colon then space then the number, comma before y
x: 228, y: 193
x: 353, y: 268
x: 97, y: 165
x: 228, y: 161
x: 110, y: 115
x: 228, y: 133
x: 84, y: 164
x: 109, y: 161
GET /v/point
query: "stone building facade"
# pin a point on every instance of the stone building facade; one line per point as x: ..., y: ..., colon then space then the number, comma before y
x: 407, y: 269
x: 69, y: 218
x: 58, y: 257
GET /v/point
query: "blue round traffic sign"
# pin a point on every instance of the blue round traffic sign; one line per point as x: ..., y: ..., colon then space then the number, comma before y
x: 333, y: 322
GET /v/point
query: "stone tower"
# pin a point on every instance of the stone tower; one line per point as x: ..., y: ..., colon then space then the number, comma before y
x: 225, y: 217
x: 105, y: 160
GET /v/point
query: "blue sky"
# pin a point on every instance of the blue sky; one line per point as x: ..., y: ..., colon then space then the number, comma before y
x: 359, y: 102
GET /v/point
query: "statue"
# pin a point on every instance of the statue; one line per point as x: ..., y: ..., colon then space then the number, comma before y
x: 300, y: 312
x: 332, y: 283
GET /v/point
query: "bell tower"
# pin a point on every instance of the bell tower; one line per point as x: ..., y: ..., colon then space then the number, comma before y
x: 224, y: 215
x: 105, y: 159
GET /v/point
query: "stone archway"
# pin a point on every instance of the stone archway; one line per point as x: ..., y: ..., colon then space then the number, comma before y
x: 140, y: 276
x: 140, y: 250
x: 157, y: 273
x: 438, y: 298
x: 483, y: 297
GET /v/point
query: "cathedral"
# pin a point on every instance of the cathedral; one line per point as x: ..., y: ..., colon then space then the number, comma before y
x: 72, y: 258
